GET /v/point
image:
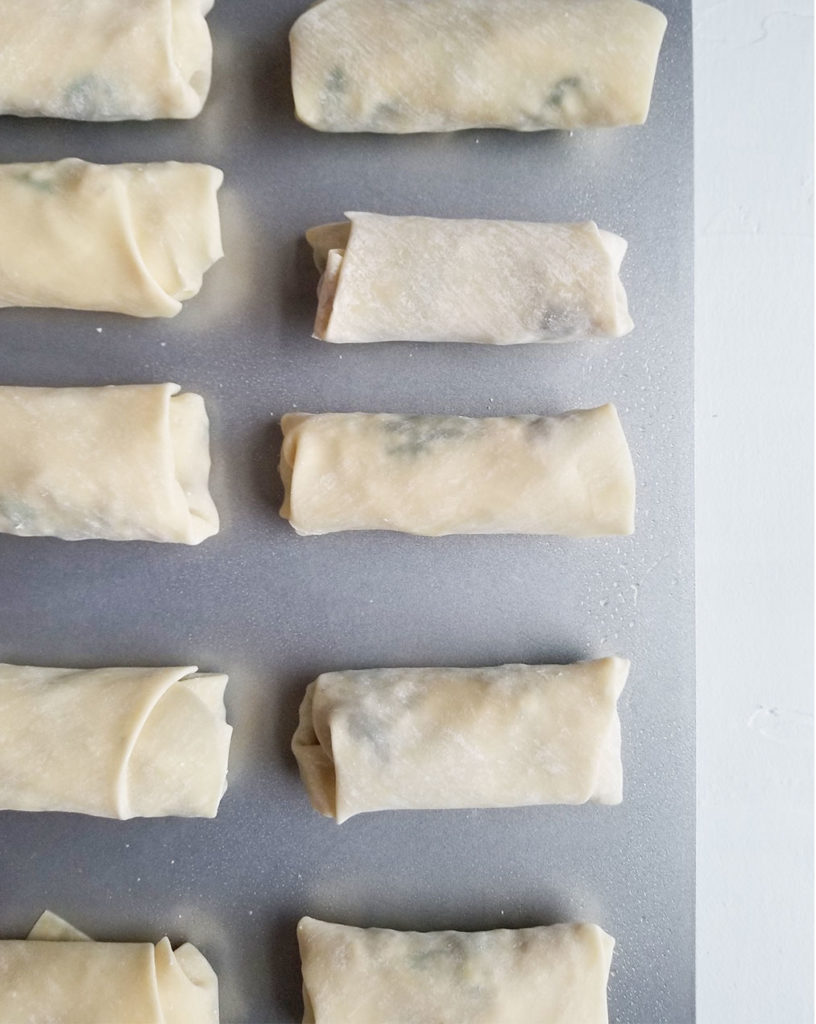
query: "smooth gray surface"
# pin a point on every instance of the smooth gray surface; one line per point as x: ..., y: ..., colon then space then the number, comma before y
x: 273, y: 610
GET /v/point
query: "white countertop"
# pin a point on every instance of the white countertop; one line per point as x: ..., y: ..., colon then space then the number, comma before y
x: 754, y: 377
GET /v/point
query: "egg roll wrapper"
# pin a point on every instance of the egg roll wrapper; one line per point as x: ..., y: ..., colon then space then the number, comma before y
x: 113, y: 742
x: 124, y: 462
x: 544, y: 975
x: 433, y: 475
x: 440, y: 65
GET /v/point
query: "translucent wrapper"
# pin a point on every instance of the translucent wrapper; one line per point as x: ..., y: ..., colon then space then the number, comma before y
x: 440, y: 65
x: 124, y: 238
x: 125, y: 462
x: 546, y: 975
x: 485, y: 281
x: 434, y: 475
x: 114, y: 742
x: 104, y: 60
x: 59, y: 976
x: 428, y: 738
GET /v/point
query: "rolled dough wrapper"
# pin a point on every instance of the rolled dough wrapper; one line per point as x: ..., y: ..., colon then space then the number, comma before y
x: 440, y: 65
x: 124, y: 462
x: 434, y: 475
x: 432, y: 738
x: 125, y: 238
x: 104, y: 60
x: 546, y: 975
x: 60, y: 976
x: 493, y: 282
x: 113, y: 742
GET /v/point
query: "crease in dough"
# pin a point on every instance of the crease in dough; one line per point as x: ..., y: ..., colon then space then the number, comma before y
x: 58, y: 975
x: 122, y: 462
x: 125, y: 61
x: 135, y: 239
x: 424, y: 738
x: 401, y: 66
x: 386, y: 278
x: 113, y: 742
x: 546, y: 975
x: 570, y: 474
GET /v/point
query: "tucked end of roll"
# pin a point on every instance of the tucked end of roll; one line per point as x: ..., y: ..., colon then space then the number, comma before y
x: 187, y: 986
x: 648, y: 27
x: 326, y: 237
x: 314, y: 760
x: 616, y: 248
x: 609, y: 473
x: 190, y: 434
x: 328, y: 242
x: 191, y: 54
x: 286, y: 467
x: 599, y: 947
x: 183, y: 199
x: 612, y: 674
x: 307, y: 101
x: 179, y: 751
x: 305, y: 927
x: 326, y: 291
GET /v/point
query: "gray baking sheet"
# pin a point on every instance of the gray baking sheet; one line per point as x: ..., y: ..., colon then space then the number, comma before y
x: 274, y: 610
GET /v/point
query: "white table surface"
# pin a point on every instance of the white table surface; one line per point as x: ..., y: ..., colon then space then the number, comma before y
x: 754, y: 379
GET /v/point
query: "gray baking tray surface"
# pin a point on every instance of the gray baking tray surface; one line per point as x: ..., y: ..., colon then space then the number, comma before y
x: 274, y: 610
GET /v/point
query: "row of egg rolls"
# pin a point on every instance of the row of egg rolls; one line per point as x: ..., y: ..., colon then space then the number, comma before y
x: 137, y: 239
x: 131, y: 462
x: 553, y: 974
x: 357, y: 65
x: 152, y: 742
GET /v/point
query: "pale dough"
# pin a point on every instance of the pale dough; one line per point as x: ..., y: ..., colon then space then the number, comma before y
x: 126, y: 238
x: 60, y: 976
x: 487, y: 281
x: 126, y: 462
x: 441, y: 65
x: 433, y: 475
x: 104, y: 60
x: 114, y: 742
x: 545, y: 975
x: 427, y: 738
